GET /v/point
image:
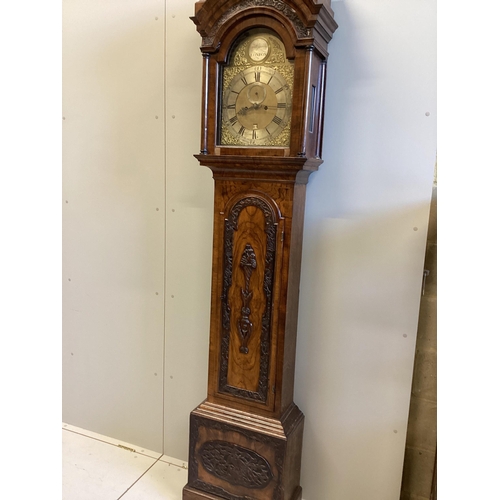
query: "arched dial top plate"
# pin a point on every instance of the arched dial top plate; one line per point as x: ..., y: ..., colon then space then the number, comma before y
x: 258, y: 49
x: 256, y: 102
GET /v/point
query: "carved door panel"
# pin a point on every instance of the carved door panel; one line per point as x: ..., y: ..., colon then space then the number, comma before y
x: 251, y: 263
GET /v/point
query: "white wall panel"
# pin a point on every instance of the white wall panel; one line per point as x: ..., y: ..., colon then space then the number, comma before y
x: 365, y: 230
x: 113, y: 218
x: 189, y: 232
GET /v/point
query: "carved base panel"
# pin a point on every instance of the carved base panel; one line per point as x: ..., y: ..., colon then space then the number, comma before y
x: 192, y: 494
x: 235, y: 455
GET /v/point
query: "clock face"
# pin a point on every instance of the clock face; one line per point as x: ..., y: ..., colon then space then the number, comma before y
x: 257, y: 105
x: 257, y: 90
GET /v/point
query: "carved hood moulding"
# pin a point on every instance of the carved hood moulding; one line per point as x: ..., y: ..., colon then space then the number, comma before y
x: 312, y: 23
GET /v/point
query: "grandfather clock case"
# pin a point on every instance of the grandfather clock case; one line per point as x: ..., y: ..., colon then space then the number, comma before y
x: 264, y: 72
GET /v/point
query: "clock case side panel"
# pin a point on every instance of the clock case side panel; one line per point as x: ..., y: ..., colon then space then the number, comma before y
x: 312, y: 106
x: 307, y: 122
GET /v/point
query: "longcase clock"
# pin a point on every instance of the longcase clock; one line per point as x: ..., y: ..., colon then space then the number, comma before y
x: 264, y: 71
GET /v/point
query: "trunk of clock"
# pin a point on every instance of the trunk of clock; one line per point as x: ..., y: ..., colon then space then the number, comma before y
x: 246, y: 438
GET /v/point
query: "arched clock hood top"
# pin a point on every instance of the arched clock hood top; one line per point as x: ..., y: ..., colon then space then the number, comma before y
x: 308, y: 22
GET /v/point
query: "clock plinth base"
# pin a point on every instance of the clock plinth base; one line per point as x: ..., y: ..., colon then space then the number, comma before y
x: 192, y: 494
x: 235, y: 455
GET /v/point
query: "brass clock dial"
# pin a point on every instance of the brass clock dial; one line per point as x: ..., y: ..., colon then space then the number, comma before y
x: 257, y: 105
x: 256, y: 99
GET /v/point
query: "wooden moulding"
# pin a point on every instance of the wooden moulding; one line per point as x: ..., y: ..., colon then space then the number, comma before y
x: 192, y: 494
x: 261, y: 168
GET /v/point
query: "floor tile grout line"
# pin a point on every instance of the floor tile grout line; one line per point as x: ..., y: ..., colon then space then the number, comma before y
x: 174, y: 464
x: 181, y: 465
x: 112, y: 444
x: 139, y: 478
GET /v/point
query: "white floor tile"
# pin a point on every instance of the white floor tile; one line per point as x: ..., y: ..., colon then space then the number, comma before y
x: 164, y: 481
x: 95, y: 470
x: 116, y: 442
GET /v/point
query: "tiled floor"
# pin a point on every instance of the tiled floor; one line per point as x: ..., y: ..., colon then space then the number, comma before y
x: 97, y: 467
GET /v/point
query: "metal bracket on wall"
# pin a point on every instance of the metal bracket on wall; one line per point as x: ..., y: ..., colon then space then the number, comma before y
x: 426, y: 273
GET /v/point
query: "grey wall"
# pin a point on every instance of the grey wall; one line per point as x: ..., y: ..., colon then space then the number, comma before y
x: 365, y: 234
x: 113, y: 218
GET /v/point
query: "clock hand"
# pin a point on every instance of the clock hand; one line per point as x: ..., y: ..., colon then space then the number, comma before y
x: 243, y: 111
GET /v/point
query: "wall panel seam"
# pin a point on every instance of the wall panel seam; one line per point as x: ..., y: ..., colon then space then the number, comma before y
x: 165, y: 221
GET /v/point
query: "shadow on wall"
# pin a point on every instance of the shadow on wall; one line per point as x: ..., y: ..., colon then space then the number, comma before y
x: 364, y: 244
x: 360, y: 290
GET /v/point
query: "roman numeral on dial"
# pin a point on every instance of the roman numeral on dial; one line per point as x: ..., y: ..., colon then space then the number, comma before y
x: 277, y: 120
